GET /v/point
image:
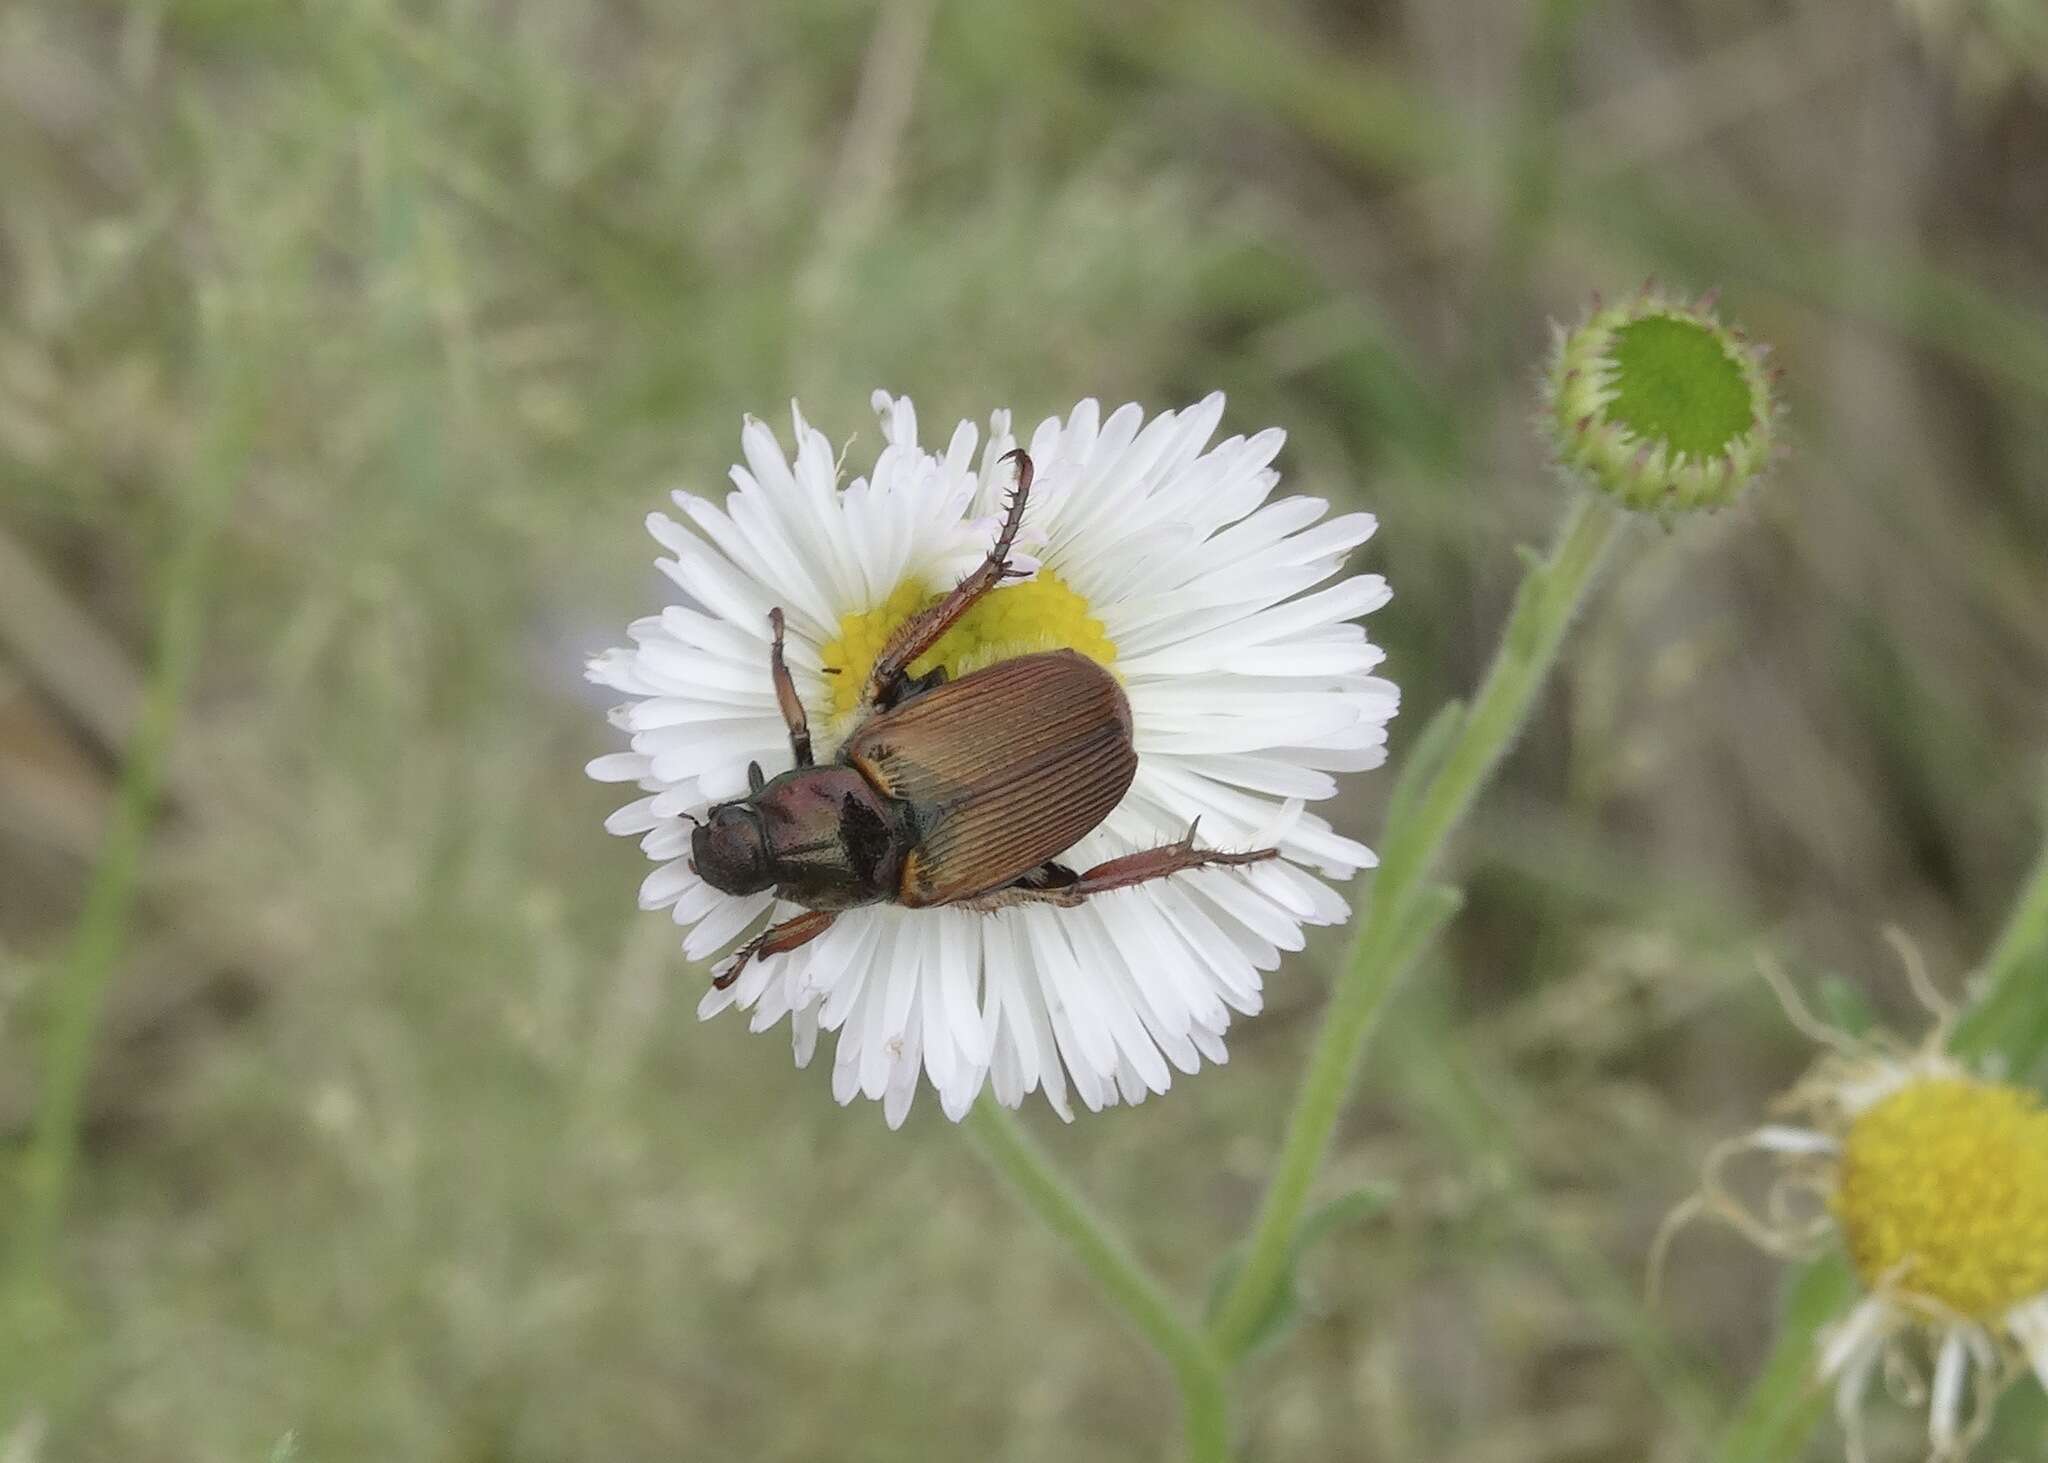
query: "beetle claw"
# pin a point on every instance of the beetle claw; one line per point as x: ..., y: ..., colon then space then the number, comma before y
x: 731, y: 973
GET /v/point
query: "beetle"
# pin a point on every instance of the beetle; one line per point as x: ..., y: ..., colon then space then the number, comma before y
x: 947, y: 792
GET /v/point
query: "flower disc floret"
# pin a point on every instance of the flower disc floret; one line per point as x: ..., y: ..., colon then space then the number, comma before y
x: 1043, y: 613
x: 1942, y: 1192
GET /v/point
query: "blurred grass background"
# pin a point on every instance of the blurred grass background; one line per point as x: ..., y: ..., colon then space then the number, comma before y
x: 401, y: 1138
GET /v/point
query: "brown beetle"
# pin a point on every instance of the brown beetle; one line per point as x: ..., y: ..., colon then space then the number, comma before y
x: 948, y: 792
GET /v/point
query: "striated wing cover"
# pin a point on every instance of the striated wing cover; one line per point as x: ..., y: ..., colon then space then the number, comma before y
x: 1007, y: 768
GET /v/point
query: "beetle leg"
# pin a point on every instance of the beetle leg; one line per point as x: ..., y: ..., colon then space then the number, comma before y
x: 1049, y: 883
x: 1057, y: 885
x: 785, y: 696
x: 777, y: 940
x: 910, y: 687
x: 1157, y: 863
x: 1049, y: 875
x: 921, y: 632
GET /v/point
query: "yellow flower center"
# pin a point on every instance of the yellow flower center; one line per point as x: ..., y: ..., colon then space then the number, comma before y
x: 1943, y: 1193
x: 1042, y: 613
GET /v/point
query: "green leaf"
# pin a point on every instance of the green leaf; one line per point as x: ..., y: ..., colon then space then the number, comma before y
x: 2022, y: 1421
x: 1367, y: 1201
x: 1419, y: 767
x: 1428, y: 910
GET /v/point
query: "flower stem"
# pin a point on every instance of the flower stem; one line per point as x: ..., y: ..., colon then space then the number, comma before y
x: 1784, y: 1404
x: 1385, y: 945
x: 1196, y: 1368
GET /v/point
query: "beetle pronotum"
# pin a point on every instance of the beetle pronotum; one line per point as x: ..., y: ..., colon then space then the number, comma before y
x: 946, y: 792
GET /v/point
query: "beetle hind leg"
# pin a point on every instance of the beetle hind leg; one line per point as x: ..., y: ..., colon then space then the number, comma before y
x: 1058, y: 885
x: 1159, y: 863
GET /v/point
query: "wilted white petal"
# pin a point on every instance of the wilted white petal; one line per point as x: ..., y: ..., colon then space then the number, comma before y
x: 1845, y: 1340
x: 2029, y: 1326
x: 1777, y: 1138
x: 1945, y: 1400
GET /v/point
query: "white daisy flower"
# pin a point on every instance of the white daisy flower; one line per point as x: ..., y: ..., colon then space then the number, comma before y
x: 1935, y: 1181
x: 1158, y: 557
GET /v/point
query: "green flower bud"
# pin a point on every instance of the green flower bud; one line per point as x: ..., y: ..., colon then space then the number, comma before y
x: 1658, y: 404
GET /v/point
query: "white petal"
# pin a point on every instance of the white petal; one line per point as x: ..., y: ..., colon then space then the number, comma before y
x: 666, y: 884
x: 635, y: 817
x: 803, y: 1033
x: 618, y: 767
x: 723, y: 925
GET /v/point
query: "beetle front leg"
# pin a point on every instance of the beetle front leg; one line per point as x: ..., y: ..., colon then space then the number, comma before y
x: 786, y: 697
x: 776, y: 940
x: 921, y: 632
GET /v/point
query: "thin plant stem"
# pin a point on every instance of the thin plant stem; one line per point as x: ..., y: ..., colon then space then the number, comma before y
x: 1786, y: 1401
x: 80, y: 995
x: 1144, y: 1302
x: 1447, y: 1085
x: 1543, y: 610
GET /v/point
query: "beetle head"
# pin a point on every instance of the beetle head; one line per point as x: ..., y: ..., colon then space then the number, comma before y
x: 731, y: 850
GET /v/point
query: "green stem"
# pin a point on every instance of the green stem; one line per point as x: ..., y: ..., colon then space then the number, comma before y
x: 1196, y: 1368
x: 1543, y: 610
x: 1786, y: 1401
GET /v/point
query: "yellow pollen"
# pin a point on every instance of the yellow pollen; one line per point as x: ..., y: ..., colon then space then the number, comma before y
x: 1943, y: 1193
x: 1042, y: 613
